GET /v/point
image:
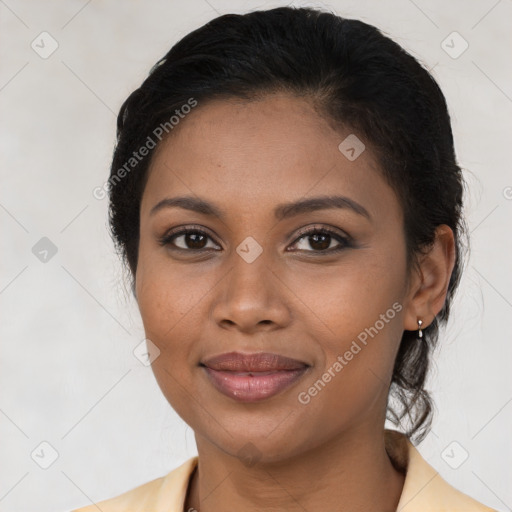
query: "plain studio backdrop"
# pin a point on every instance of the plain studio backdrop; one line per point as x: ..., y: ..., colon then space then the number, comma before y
x: 81, y: 418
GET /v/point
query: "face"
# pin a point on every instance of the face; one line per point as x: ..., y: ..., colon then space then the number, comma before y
x: 322, y: 287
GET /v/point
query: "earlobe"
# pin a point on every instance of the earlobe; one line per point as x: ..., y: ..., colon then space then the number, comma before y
x: 434, y: 273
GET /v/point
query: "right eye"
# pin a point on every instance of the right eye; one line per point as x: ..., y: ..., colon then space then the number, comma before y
x: 192, y: 240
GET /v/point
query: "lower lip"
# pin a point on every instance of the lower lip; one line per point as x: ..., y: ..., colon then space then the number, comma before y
x: 257, y: 386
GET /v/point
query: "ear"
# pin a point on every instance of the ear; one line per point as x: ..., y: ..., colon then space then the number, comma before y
x: 429, y: 282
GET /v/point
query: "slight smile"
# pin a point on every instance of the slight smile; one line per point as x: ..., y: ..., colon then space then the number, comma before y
x: 253, y: 377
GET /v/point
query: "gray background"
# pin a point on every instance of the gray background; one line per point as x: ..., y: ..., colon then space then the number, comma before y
x: 68, y: 376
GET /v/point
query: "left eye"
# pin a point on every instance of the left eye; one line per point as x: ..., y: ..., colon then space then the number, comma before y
x: 320, y: 240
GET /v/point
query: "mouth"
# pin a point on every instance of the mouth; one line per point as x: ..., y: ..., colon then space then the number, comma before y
x: 253, y: 377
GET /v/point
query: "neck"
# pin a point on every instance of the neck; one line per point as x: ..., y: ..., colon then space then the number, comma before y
x: 343, y: 470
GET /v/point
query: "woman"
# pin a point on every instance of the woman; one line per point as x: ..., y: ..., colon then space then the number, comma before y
x: 285, y: 193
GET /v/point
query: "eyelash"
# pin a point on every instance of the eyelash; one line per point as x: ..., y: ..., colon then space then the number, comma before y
x: 344, y: 241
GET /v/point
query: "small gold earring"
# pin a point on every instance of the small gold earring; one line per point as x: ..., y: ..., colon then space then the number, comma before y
x: 420, y: 331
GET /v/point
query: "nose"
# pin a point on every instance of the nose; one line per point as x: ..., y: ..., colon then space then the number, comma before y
x: 251, y: 297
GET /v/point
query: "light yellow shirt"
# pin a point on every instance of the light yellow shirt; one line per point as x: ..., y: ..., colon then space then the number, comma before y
x: 424, y: 490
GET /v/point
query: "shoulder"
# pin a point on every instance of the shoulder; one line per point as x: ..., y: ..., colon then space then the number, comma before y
x: 454, y: 499
x: 164, y: 494
x: 424, y: 488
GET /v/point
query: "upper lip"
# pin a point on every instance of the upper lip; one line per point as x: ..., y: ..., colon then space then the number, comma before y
x: 256, y: 362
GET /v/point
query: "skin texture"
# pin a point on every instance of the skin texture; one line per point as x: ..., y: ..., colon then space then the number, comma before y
x: 296, y: 300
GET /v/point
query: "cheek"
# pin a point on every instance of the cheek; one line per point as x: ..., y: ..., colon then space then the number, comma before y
x: 165, y: 294
x: 172, y: 301
x: 159, y: 307
x: 359, y: 313
x: 345, y: 300
x: 163, y: 304
x: 170, y: 314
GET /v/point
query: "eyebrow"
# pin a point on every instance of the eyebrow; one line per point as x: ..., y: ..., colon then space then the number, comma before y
x: 281, y: 211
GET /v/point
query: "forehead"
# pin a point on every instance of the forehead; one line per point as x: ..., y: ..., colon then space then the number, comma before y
x: 247, y: 155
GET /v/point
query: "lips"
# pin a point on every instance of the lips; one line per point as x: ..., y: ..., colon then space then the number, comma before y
x: 253, y: 377
x: 259, y: 362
